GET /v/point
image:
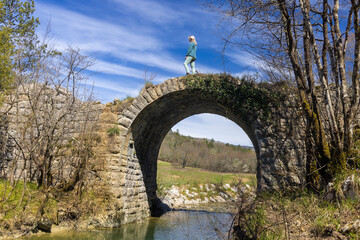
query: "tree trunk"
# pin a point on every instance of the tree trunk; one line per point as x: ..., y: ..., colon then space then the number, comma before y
x: 316, y: 126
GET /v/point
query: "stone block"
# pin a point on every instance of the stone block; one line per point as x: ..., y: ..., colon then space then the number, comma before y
x: 125, y: 121
x: 133, y: 109
x: 147, y: 96
x: 140, y: 102
x: 170, y: 86
x: 152, y: 93
x: 158, y: 91
x: 164, y: 88
x: 175, y: 84
x: 129, y: 114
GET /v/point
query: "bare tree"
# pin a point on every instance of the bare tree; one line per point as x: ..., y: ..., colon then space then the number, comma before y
x: 149, y: 78
x: 51, y: 118
x: 312, y: 39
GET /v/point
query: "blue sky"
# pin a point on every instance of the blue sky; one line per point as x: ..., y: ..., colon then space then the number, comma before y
x: 129, y: 37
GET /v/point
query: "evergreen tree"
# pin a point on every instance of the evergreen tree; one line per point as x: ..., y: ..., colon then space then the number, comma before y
x: 18, y: 40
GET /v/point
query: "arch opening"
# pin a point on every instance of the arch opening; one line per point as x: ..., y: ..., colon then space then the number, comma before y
x: 155, y: 121
x: 210, y: 142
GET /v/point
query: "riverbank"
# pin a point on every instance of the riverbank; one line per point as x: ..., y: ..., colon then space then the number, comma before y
x: 188, y: 188
x: 292, y: 215
x: 177, y: 197
x: 299, y: 216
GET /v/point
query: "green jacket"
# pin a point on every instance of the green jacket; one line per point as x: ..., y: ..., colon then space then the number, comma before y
x: 192, y: 50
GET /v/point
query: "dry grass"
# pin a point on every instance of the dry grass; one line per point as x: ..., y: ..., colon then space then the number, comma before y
x: 297, y: 216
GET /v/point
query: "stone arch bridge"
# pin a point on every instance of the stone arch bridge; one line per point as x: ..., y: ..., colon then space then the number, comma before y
x: 132, y: 169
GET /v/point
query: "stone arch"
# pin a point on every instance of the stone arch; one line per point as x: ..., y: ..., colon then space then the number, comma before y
x: 154, y: 121
x: 151, y: 115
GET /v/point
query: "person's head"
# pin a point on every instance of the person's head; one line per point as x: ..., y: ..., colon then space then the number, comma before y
x: 192, y: 39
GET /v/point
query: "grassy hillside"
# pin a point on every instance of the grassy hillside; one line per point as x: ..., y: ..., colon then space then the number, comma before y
x: 169, y: 175
x: 207, y: 154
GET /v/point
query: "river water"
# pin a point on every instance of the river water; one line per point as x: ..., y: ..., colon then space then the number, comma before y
x: 174, y: 225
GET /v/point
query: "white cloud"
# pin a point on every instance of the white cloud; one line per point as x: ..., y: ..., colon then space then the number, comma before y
x: 119, y: 70
x: 107, y: 90
x: 163, y: 61
x: 116, y: 86
x: 244, y: 59
x: 91, y: 34
x: 253, y: 65
x: 152, y: 10
x: 116, y: 69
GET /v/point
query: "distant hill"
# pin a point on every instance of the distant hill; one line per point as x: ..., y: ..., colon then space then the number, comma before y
x: 207, y: 154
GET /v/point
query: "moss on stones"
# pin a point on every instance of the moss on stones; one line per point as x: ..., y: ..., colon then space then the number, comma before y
x: 244, y: 96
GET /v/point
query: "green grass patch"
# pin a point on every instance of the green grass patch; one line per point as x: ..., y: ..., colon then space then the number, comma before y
x: 168, y: 175
x: 10, y: 198
x: 12, y: 213
x: 12, y: 209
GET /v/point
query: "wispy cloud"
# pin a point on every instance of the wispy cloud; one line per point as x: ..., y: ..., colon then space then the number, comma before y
x: 253, y: 65
x: 151, y: 10
x: 116, y: 69
x: 92, y: 34
x: 116, y: 86
x: 205, y: 69
x: 119, y: 70
x: 244, y: 59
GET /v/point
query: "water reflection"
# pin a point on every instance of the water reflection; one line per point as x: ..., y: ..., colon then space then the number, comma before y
x: 174, y: 225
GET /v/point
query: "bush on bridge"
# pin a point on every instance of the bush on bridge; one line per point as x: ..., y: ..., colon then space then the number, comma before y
x: 244, y: 96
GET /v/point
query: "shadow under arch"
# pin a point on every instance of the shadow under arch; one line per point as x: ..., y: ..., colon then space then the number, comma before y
x: 154, y: 121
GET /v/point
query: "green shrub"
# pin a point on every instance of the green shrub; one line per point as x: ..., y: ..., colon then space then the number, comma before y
x: 244, y: 96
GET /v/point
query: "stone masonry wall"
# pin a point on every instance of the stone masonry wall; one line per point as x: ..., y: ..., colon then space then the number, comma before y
x: 31, y: 114
x: 129, y: 202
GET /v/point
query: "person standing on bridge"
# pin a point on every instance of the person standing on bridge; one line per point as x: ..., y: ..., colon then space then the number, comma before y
x: 191, y: 55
